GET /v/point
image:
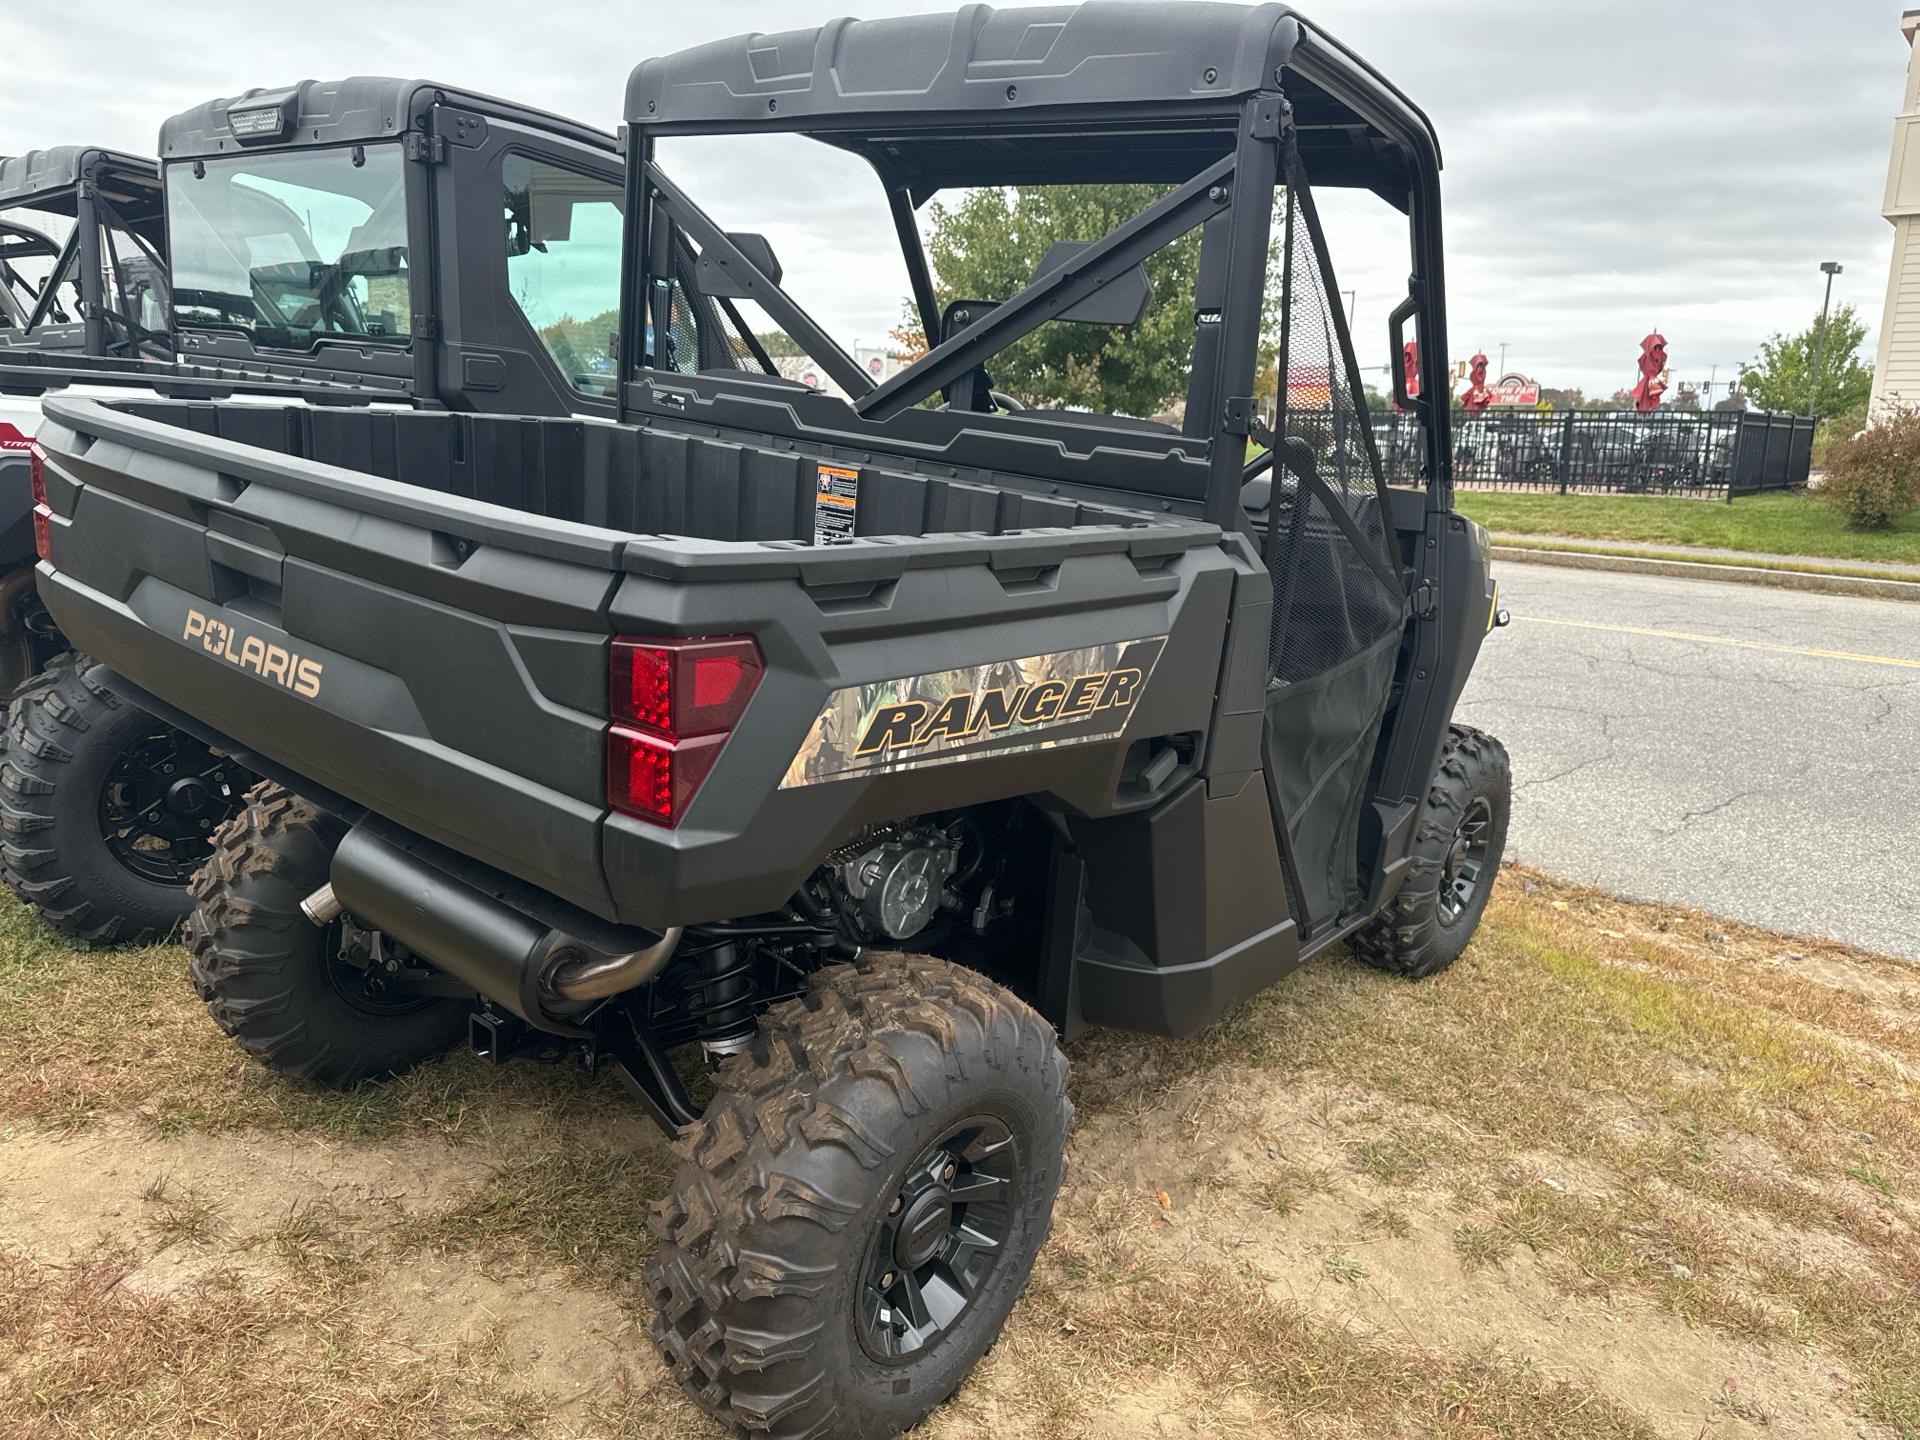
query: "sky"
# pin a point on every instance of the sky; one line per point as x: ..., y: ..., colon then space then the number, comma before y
x: 1609, y: 169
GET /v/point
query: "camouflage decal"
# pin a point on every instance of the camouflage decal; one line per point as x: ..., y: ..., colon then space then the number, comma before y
x: 1010, y: 706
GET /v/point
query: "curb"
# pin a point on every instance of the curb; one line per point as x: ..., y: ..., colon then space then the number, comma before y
x: 1694, y: 570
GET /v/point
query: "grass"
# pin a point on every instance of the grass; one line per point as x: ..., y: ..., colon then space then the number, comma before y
x: 1780, y: 523
x: 85, y: 1034
x: 1638, y: 1105
x: 1720, y: 1084
x: 578, y: 1207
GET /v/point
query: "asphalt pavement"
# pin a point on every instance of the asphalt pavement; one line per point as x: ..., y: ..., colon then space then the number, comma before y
x: 1752, y: 752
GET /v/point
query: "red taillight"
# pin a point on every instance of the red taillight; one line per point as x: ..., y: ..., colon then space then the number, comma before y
x: 654, y: 779
x: 42, y: 512
x: 673, y: 704
x: 681, y: 688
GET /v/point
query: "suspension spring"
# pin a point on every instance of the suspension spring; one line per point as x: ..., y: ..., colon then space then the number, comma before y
x: 721, y: 1000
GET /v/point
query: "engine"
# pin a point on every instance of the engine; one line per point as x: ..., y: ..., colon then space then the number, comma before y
x: 898, y: 881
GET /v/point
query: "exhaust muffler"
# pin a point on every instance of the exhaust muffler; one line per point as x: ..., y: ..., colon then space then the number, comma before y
x: 537, y: 971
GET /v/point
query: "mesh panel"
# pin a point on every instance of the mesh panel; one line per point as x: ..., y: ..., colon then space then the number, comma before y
x: 1329, y: 604
x: 698, y: 336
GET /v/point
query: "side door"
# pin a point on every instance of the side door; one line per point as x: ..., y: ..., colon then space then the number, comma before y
x: 527, y: 282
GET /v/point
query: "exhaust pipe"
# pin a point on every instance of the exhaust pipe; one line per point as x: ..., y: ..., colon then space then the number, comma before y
x: 506, y: 955
x: 323, y: 907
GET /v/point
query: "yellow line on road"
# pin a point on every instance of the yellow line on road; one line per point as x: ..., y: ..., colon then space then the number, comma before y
x: 1723, y: 640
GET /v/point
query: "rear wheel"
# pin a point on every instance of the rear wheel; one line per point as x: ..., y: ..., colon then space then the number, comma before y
x: 279, y: 984
x: 1457, y: 845
x: 106, y: 812
x: 862, y: 1202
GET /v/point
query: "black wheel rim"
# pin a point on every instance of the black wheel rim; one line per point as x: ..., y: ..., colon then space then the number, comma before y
x: 940, y: 1242
x: 365, y: 981
x: 164, y: 796
x: 1466, y: 863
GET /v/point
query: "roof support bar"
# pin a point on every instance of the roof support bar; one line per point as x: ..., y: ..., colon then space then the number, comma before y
x: 1123, y: 247
x: 915, y: 253
x: 92, y: 276
x: 714, y: 244
x: 1256, y: 165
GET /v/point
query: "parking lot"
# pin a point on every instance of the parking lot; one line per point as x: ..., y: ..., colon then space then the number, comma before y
x: 1752, y: 752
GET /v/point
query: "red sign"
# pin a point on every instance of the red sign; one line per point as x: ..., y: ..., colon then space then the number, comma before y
x: 1308, y: 387
x: 11, y: 438
x: 1515, y: 392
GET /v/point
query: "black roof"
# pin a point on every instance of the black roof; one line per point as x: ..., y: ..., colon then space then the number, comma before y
x: 985, y: 96
x: 339, y: 112
x: 41, y: 173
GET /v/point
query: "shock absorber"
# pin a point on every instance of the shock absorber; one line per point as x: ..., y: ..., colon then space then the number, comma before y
x: 721, y: 999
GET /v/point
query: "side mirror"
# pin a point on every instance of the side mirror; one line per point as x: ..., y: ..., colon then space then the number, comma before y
x: 715, y: 279
x: 519, y: 223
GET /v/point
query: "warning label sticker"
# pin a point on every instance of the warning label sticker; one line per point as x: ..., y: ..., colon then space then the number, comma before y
x: 835, y: 499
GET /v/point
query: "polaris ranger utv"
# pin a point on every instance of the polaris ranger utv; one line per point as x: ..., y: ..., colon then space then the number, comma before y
x: 873, y: 744
x: 308, y: 267
x: 82, y: 273
x: 82, y: 281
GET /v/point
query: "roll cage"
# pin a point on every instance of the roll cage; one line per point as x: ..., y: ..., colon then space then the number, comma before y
x: 104, y: 193
x: 1206, y: 99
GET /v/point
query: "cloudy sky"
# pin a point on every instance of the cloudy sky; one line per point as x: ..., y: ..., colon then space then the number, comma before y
x: 1609, y: 168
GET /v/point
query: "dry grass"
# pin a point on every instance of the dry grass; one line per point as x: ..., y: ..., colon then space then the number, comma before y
x: 1246, y: 1364
x: 1629, y: 1106
x: 91, y: 1033
x: 575, y: 1206
x: 88, y: 1358
x: 1719, y: 1078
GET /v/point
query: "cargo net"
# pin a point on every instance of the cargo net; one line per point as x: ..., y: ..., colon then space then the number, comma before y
x: 1329, y: 604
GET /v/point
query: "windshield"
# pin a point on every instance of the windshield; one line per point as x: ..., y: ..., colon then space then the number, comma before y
x: 290, y: 248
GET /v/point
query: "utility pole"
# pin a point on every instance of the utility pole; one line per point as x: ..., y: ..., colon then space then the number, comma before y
x: 1831, y: 269
x: 1713, y: 373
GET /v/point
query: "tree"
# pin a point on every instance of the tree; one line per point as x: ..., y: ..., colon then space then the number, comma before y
x: 778, y: 342
x: 987, y: 246
x: 1781, y: 376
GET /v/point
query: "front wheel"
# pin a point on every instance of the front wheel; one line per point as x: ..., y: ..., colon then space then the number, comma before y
x: 1457, y: 845
x: 861, y: 1205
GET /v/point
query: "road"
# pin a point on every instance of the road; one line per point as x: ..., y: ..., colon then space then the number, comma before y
x: 1752, y: 752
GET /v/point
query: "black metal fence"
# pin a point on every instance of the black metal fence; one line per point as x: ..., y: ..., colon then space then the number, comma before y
x: 1711, y: 454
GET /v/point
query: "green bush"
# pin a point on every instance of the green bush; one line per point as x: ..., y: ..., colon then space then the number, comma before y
x: 1832, y: 432
x: 1872, y: 477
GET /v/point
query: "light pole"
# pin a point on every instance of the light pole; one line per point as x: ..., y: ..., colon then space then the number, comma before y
x: 1503, y: 358
x: 1830, y: 268
x: 1351, y: 295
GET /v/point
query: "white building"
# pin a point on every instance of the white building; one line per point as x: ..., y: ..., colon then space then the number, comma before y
x: 1896, y: 367
x: 880, y: 363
